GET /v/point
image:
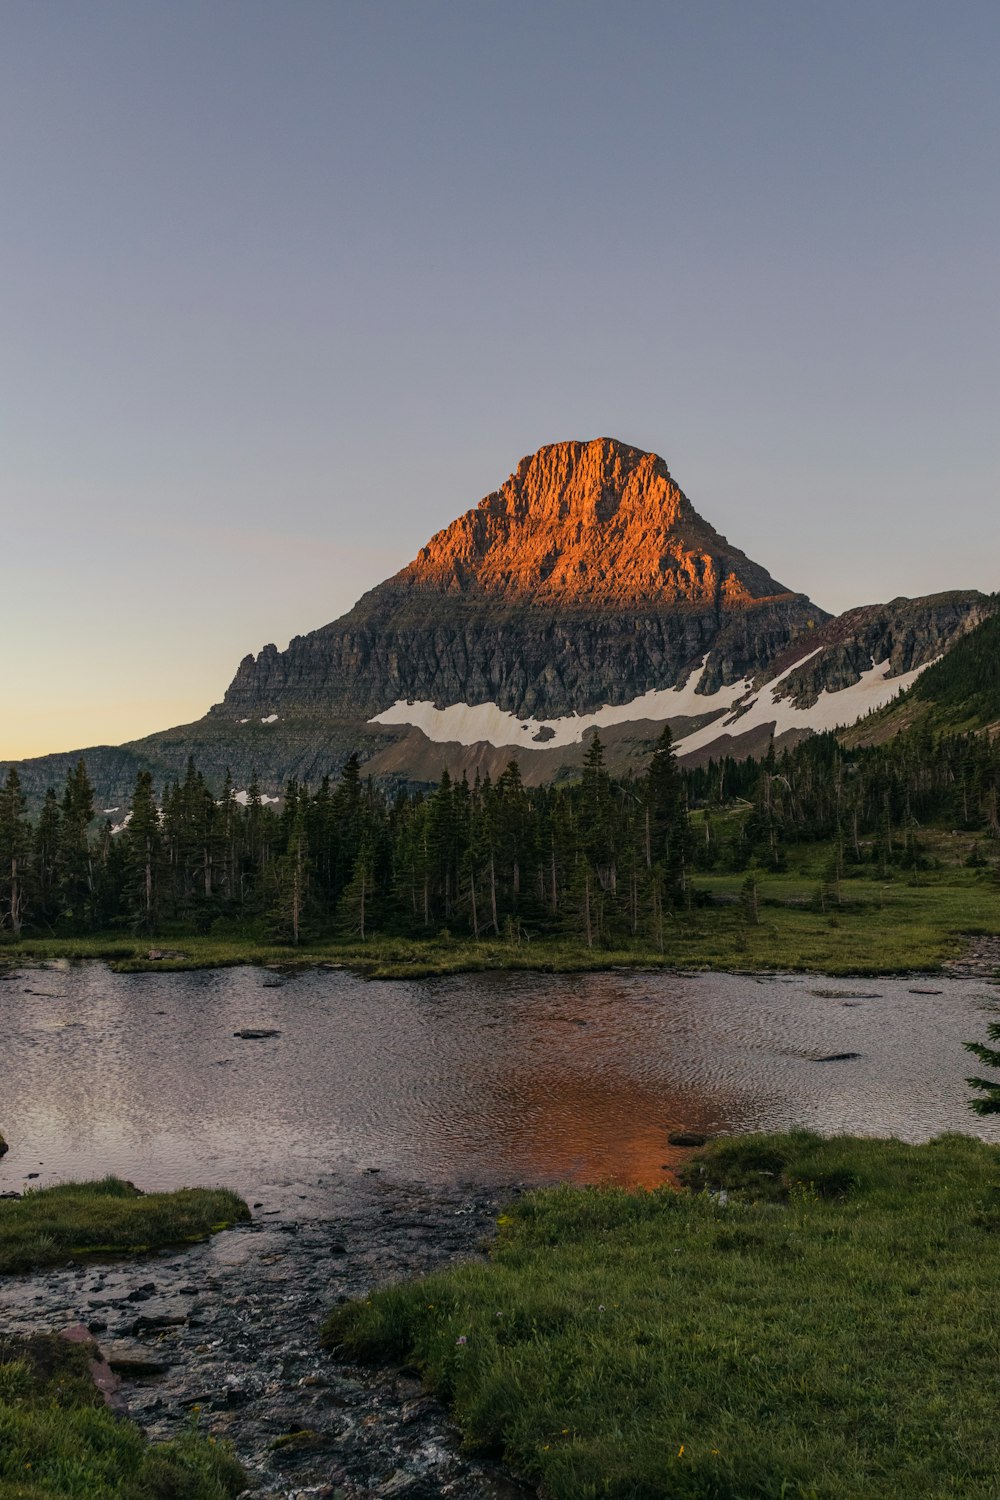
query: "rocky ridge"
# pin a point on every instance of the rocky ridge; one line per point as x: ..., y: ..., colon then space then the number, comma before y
x: 906, y: 633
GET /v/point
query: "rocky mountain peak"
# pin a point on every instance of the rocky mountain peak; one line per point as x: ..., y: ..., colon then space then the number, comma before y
x: 589, y: 523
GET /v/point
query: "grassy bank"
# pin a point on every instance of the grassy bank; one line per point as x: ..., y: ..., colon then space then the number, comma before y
x: 57, y: 1439
x: 825, y: 1329
x: 111, y: 1217
x: 897, y: 925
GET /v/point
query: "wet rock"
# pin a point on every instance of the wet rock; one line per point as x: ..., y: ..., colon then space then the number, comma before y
x: 980, y: 960
x: 101, y: 1373
x: 133, y: 1361
x: 687, y: 1138
x: 156, y: 1324
x: 846, y: 994
x: 142, y: 1293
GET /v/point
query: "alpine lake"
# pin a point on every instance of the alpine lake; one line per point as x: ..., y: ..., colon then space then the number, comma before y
x: 517, y: 1078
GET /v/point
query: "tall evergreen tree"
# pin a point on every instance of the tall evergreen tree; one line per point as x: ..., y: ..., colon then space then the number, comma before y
x: 45, y: 862
x: 143, y: 841
x: 15, y: 850
x: 76, y: 865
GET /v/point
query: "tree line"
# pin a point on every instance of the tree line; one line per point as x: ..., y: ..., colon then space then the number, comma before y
x: 602, y: 859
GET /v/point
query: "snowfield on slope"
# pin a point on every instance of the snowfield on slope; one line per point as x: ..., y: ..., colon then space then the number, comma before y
x: 486, y: 723
x: 475, y: 724
x: 874, y: 689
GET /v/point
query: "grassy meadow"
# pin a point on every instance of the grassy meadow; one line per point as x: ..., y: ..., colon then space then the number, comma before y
x: 865, y: 925
x: 814, y: 1319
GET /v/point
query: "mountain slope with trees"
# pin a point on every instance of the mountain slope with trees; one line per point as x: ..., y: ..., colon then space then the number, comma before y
x: 599, y: 861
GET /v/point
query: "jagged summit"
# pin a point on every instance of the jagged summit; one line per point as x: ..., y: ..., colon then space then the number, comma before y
x: 591, y: 523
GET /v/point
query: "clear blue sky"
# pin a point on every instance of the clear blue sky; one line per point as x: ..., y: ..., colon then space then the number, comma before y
x: 285, y: 287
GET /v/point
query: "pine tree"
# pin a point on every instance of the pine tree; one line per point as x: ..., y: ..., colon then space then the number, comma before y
x: 45, y: 860
x: 357, y: 907
x: 143, y: 839
x: 668, y: 841
x: 290, y: 877
x: 15, y: 850
x: 990, y: 1105
x: 76, y: 867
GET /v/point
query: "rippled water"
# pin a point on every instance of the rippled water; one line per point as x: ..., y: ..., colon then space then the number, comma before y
x: 479, y: 1077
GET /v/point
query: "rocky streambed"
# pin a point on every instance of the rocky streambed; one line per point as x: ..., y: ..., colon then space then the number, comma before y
x: 227, y: 1334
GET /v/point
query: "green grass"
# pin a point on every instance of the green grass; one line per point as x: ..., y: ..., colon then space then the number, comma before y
x: 828, y: 1333
x: 57, y: 1439
x: 881, y: 928
x: 901, y: 924
x: 81, y: 1220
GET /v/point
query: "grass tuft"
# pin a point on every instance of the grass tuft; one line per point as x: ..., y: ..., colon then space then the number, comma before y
x: 79, y: 1220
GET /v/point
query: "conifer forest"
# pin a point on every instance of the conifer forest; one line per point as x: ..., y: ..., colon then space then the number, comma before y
x: 599, y: 860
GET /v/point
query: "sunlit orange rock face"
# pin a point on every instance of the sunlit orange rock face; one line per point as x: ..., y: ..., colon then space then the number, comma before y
x: 587, y: 578
x: 590, y: 523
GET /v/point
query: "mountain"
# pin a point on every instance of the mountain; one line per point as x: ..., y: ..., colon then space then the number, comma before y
x: 587, y: 578
x: 585, y: 591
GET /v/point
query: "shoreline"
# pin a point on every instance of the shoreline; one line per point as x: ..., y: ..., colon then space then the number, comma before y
x: 228, y: 1333
x: 865, y: 928
x: 434, y: 964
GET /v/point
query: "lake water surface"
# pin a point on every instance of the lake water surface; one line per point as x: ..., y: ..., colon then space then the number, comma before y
x: 484, y: 1078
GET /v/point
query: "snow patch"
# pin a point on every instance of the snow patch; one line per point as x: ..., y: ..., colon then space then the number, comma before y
x: 243, y: 798
x: 474, y: 724
x: 271, y: 719
x: 485, y: 723
x: 874, y: 689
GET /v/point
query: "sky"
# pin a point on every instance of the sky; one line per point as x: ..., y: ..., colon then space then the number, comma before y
x: 286, y: 287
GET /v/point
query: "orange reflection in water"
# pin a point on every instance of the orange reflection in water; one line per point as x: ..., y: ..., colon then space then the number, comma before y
x: 587, y: 1127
